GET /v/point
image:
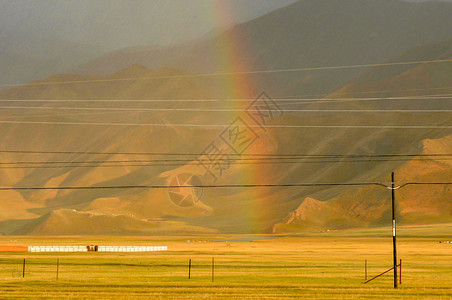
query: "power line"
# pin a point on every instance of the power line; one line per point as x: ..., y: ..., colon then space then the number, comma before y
x: 377, y: 91
x: 307, y: 97
x: 223, y: 163
x: 219, y: 74
x: 232, y: 154
x: 348, y: 99
x: 179, y: 165
x: 369, y: 99
x: 61, y: 115
x: 185, y: 110
x: 217, y: 186
x: 271, y: 158
x: 415, y: 97
x: 205, y: 126
x: 425, y: 183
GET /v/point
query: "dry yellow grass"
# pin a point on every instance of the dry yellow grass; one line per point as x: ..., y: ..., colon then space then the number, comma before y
x: 326, y: 267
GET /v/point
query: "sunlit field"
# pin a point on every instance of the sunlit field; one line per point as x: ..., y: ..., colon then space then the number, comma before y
x: 327, y: 266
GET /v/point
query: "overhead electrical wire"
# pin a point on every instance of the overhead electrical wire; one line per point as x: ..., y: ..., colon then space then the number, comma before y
x: 195, y: 163
x: 60, y: 115
x: 225, y: 125
x: 206, y: 160
x: 272, y: 158
x: 219, y: 74
x: 232, y: 154
x: 179, y: 163
x: 228, y: 159
x: 197, y: 109
x: 218, y: 186
x: 375, y: 91
x: 205, y: 126
x: 185, y: 110
x: 415, y: 97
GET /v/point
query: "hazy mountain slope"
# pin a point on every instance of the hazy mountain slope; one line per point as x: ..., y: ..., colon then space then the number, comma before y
x: 84, y: 138
x: 435, y: 51
x: 70, y: 222
x: 305, y: 34
x: 417, y: 204
x: 410, y: 80
x: 371, y: 206
x: 224, y: 210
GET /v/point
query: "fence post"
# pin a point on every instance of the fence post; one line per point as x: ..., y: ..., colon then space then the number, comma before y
x: 400, y: 278
x: 213, y: 266
x: 365, y: 269
x: 23, y: 270
x: 189, y: 268
x: 58, y: 265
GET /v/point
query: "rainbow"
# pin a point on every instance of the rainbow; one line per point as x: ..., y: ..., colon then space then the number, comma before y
x: 233, y: 57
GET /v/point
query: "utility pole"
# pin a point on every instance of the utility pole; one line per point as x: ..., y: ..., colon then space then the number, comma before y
x: 394, y: 229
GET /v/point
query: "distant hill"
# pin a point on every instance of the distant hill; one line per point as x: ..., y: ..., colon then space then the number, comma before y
x: 307, y: 33
x: 432, y: 51
x: 418, y: 79
x: 71, y: 222
x: 416, y: 204
x: 220, y: 210
x: 371, y: 206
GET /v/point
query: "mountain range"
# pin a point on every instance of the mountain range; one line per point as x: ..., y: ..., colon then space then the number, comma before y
x: 306, y: 34
x: 94, y: 152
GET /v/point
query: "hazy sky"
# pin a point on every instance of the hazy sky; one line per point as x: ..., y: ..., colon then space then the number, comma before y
x: 115, y: 24
x: 121, y: 23
x: 74, y: 31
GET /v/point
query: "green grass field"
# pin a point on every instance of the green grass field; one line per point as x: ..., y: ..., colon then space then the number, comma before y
x: 327, y: 266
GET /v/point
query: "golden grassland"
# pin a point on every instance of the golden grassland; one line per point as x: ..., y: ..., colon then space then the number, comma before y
x: 322, y: 266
